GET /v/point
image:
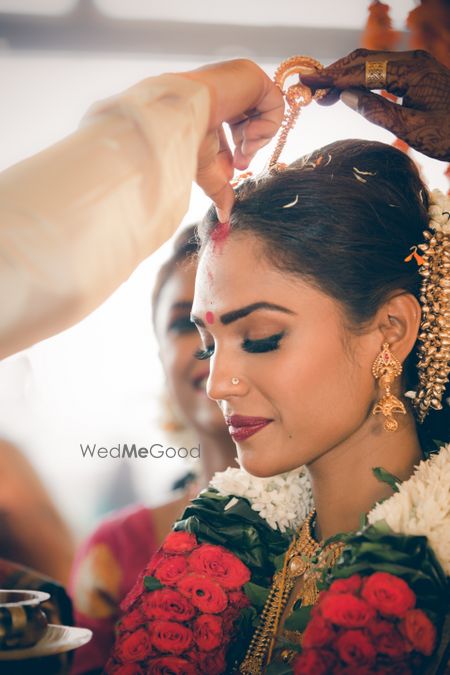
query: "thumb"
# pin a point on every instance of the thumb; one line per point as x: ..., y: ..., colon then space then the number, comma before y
x: 224, y: 201
x: 379, y: 110
x: 214, y: 172
x: 214, y: 180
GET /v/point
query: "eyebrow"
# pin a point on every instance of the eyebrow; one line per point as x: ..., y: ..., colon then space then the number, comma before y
x: 237, y: 314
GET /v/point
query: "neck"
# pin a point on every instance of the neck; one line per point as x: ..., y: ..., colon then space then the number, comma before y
x: 218, y: 452
x: 343, y: 484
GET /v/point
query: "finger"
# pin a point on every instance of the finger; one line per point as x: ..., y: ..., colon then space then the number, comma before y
x: 350, y: 71
x: 244, y: 155
x: 355, y: 62
x: 224, y: 201
x: 358, y: 58
x: 401, y: 121
x: 252, y: 136
x: 215, y: 171
x: 251, y: 89
x: 318, y: 80
x: 355, y: 76
x: 331, y: 97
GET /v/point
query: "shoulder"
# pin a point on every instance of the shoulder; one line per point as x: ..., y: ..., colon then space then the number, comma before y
x: 101, y: 564
x: 120, y: 529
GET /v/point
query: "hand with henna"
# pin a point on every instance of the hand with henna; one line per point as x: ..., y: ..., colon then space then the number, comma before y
x: 422, y: 119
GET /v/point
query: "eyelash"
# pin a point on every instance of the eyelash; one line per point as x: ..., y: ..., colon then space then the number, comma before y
x: 261, y: 346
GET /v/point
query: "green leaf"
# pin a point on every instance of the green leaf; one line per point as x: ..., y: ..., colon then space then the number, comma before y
x: 298, y: 619
x: 278, y: 668
x: 245, y: 626
x: 152, y: 584
x: 385, y: 477
x: 279, y: 561
x: 409, y: 557
x: 256, y: 594
x: 243, y: 532
x: 240, y: 529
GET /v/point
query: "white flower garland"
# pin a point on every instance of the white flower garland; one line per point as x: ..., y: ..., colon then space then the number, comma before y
x: 422, y: 506
x: 439, y: 221
x: 439, y: 212
x: 283, y: 501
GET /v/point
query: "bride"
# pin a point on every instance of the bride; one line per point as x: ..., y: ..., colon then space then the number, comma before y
x: 323, y: 306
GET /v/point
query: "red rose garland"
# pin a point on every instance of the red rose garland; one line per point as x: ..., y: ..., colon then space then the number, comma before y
x: 183, y: 627
x: 365, y: 625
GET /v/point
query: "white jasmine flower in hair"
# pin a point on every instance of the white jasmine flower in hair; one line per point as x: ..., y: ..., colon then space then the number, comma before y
x: 422, y: 506
x: 439, y: 212
x: 283, y: 501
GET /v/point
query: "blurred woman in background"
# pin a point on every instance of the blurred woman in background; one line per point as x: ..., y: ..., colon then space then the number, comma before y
x: 108, y: 563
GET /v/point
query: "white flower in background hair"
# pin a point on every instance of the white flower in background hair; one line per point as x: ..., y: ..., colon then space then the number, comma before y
x: 422, y: 506
x: 283, y: 501
x: 439, y: 212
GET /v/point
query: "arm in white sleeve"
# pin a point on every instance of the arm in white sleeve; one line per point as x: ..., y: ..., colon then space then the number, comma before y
x: 76, y: 219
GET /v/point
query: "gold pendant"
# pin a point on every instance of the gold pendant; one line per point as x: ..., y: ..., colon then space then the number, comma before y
x: 297, y: 566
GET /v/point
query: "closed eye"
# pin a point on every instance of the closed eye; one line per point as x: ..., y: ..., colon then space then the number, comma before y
x: 260, y: 346
x: 203, y: 354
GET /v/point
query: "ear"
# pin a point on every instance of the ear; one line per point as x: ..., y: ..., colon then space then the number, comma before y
x: 399, y: 322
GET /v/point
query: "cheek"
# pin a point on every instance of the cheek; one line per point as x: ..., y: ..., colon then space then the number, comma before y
x: 320, y: 381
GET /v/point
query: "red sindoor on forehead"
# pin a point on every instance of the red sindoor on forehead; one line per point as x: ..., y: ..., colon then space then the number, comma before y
x: 220, y: 234
x: 210, y: 317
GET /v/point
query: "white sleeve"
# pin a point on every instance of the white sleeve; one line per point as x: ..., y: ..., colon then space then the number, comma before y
x: 76, y: 219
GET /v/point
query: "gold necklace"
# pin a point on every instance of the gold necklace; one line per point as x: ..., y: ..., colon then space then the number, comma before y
x: 297, y: 562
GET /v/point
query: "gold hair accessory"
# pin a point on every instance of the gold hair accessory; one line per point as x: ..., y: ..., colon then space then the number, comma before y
x: 297, y: 563
x: 235, y: 380
x: 240, y: 178
x: 434, y: 334
x: 376, y: 74
x: 297, y: 96
x: 386, y: 368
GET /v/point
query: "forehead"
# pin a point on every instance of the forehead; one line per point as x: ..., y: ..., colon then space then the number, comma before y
x: 238, y: 273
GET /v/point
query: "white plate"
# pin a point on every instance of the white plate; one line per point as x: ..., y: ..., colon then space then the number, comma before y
x: 56, y: 640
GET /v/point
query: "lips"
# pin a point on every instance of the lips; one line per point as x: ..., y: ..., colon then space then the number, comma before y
x: 242, y: 427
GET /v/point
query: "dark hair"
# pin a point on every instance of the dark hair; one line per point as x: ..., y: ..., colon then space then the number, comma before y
x: 184, y: 249
x: 344, y: 218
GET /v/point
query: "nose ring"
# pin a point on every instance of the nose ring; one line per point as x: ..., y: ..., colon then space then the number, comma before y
x: 234, y: 380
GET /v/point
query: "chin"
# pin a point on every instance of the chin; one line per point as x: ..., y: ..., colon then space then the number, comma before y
x: 252, y: 463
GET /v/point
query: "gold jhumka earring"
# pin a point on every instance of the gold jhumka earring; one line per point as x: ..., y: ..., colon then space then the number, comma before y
x: 386, y: 368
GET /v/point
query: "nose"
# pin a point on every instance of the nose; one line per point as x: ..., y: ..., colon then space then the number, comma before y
x: 225, y: 380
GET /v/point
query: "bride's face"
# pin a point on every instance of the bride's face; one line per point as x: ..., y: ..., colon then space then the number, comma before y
x: 304, y: 384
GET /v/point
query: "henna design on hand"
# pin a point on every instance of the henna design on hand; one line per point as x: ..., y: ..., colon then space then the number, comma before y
x: 423, y: 117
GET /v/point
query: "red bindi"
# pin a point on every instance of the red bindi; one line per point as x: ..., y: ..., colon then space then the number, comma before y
x: 209, y: 317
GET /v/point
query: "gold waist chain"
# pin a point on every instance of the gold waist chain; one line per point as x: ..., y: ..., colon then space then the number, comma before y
x: 297, y: 563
